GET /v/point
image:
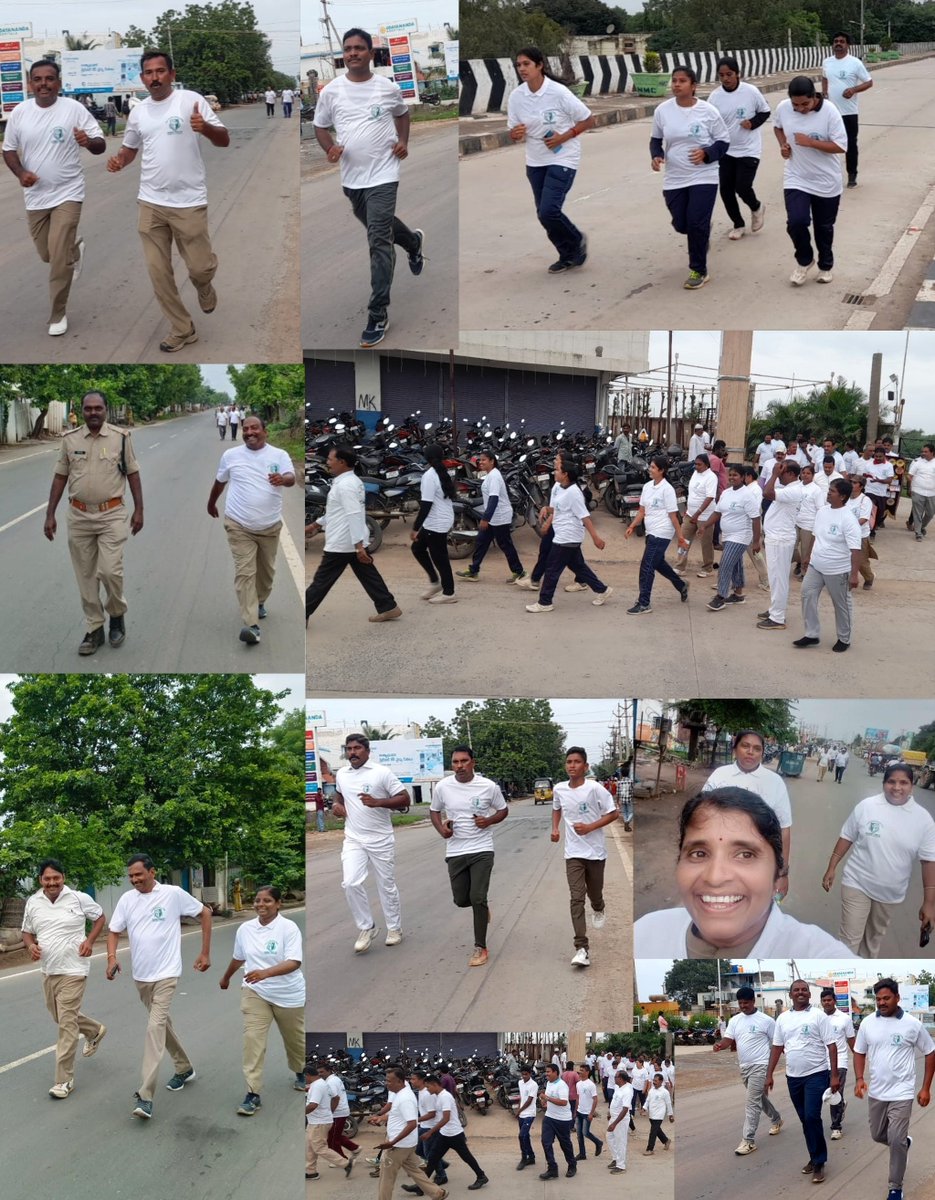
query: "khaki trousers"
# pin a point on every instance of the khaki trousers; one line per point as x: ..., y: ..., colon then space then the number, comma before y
x: 404, y: 1158
x: 160, y: 1036
x: 804, y: 540
x: 705, y: 539
x: 158, y: 226
x: 865, y: 568
x: 63, y: 996
x: 54, y: 232
x: 96, y: 542
x: 585, y: 876
x: 863, y: 921
x: 258, y: 1015
x: 316, y: 1146
x: 254, y: 554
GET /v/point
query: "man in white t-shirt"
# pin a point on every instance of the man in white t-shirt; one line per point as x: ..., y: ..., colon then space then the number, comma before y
x: 367, y: 795
x: 619, y: 1118
x: 878, y: 474
x: 889, y: 1042
x: 370, y: 119
x: 526, y: 1116
x: 556, y: 1124
x: 658, y: 1105
x: 398, y: 1152
x: 288, y: 99
x: 922, y: 489
x: 472, y: 805
x: 173, y: 197
x: 583, y: 807
x: 319, y: 1121
x: 585, y: 1112
x: 844, y: 1029
x: 54, y: 924
x: 151, y: 916
x: 42, y: 143
x: 270, y: 97
x: 257, y: 473
x: 233, y: 417
x: 447, y: 1133
x: 784, y: 491
x: 843, y: 77
x: 750, y: 1033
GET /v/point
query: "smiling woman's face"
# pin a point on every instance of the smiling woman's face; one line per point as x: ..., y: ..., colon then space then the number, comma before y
x: 726, y: 875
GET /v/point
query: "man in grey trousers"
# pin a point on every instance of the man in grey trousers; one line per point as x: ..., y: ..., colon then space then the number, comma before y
x: 750, y: 1033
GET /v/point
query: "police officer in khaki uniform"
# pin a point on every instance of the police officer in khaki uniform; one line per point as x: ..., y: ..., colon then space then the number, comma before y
x: 97, y: 462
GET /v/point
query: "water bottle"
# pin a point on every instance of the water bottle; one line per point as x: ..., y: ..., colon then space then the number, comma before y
x: 682, y: 552
x: 548, y: 134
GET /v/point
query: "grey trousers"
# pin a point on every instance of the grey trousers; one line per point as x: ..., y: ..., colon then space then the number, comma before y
x: 840, y: 592
x: 838, y: 1110
x: 923, y: 509
x: 889, y: 1125
x: 375, y: 207
x: 754, y: 1079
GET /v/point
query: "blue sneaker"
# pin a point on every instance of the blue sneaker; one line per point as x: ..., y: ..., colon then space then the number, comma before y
x: 178, y: 1081
x: 374, y: 334
x: 144, y: 1108
x: 251, y: 1102
x: 894, y: 1194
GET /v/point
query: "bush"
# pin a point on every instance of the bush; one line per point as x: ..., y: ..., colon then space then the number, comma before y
x: 651, y: 62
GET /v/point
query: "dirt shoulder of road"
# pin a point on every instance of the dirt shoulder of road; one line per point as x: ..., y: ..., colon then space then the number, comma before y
x: 700, y: 1069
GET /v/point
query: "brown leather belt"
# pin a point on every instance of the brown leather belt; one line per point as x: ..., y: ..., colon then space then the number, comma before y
x: 99, y: 508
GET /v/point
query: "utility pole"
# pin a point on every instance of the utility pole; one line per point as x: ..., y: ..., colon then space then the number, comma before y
x: 873, y: 406
x: 669, y: 405
x: 734, y: 390
x: 329, y: 26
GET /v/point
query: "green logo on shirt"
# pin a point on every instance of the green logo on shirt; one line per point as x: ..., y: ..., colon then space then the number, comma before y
x: 174, y: 125
x: 874, y: 829
x: 741, y: 113
x: 271, y: 946
x: 896, y: 1039
x: 58, y: 133
x: 549, y: 116
x: 159, y: 913
x: 696, y: 130
x: 376, y: 111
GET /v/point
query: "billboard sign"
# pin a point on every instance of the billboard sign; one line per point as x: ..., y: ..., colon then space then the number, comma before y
x: 12, y: 75
x: 877, y: 735
x: 451, y: 59
x: 914, y: 996
x: 411, y: 758
x: 102, y: 70
x: 395, y: 28
x: 404, y: 66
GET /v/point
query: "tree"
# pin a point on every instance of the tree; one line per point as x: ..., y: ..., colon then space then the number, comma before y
x: 577, y: 16
x: 73, y: 42
x: 924, y: 739
x: 274, y: 390
x: 773, y: 718
x: 491, y: 29
x: 927, y: 977
x: 689, y: 976
x: 136, y: 37
x: 837, y: 410
x: 513, y: 740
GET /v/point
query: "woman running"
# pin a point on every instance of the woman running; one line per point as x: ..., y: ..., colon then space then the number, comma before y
x: 688, y: 138
x: 431, y: 527
x: 744, y: 110
x: 548, y: 117
x: 496, y: 522
x: 810, y: 133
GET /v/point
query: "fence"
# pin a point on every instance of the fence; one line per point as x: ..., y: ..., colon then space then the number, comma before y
x: 17, y: 418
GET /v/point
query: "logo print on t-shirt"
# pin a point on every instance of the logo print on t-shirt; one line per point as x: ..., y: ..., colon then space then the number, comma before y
x: 174, y: 125
x: 549, y: 116
x: 159, y: 913
x: 696, y: 129
x: 376, y: 111
x: 896, y: 1039
x: 874, y: 828
x: 834, y: 529
x: 58, y: 133
x: 741, y: 113
x: 271, y: 946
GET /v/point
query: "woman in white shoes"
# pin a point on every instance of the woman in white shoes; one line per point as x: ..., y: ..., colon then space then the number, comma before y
x: 431, y: 527
x: 811, y: 135
x: 744, y: 110
x: 702, y: 498
x: 568, y: 517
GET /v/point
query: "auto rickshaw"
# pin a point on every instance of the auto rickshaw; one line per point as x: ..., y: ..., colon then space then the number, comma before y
x: 542, y: 790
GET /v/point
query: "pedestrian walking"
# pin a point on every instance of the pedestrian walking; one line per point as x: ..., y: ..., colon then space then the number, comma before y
x: 824, y: 761
x: 743, y: 110
x: 862, y: 507
x: 878, y: 474
x: 257, y: 472
x: 269, y: 948
x: 757, y: 558
x: 922, y: 490
x: 659, y: 509
x: 784, y: 492
x: 889, y: 1042
x: 288, y: 99
x: 570, y: 1076
x: 810, y: 133
x: 625, y: 794
x: 582, y: 807
x: 700, y: 505
x: 556, y: 1124
x: 750, y: 1034
x: 427, y: 1110
x: 270, y: 97
x: 549, y: 118
x: 658, y: 1107
x: 340, y: 1112
x: 434, y: 521
x: 618, y: 1122
x: 586, y: 1112
x: 833, y: 565
x: 223, y: 421
x: 150, y: 915
x: 472, y: 805
x: 398, y: 1151
x: 497, y: 521
x: 532, y: 581
x: 689, y: 138
x: 737, y: 515
x: 842, y: 758
x: 42, y: 142
x: 234, y: 419
x: 640, y: 1074
x: 699, y: 442
x: 526, y: 1116
x: 447, y: 1133
x: 813, y: 498
x: 843, y: 1027
x: 54, y: 923
x: 110, y: 117
x: 371, y: 123
x: 346, y: 538
x: 97, y: 464
x: 318, y: 1123
x: 843, y: 78
x: 168, y: 126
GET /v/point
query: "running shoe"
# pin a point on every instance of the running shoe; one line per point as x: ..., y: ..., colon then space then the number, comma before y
x: 365, y: 939
x: 538, y: 608
x: 61, y: 1091
x: 393, y: 937
x: 745, y: 1147
x: 374, y: 334
x: 583, y: 587
x: 716, y: 603
x: 694, y: 281
x: 581, y: 958
x: 824, y: 277
x: 180, y: 1078
x: 251, y: 1102
x: 736, y: 233
x: 799, y: 275
x: 558, y: 267
x: 638, y: 609
x: 602, y: 597
x: 417, y: 257
x: 758, y: 218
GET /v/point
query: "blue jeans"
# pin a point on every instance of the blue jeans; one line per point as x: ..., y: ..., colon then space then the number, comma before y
x: 653, y: 561
x: 804, y: 210
x: 552, y: 1129
x: 501, y: 535
x: 584, y: 1132
x: 525, y: 1141
x: 550, y: 186
x: 805, y: 1092
x: 569, y: 555
x: 691, y: 209
x: 626, y: 811
x: 320, y: 819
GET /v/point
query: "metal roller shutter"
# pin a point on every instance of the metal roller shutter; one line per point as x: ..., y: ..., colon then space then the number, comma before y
x: 328, y: 384
x: 410, y: 384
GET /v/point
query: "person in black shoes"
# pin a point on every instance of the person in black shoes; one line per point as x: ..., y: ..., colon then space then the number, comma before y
x: 556, y: 1124
x: 447, y: 1133
x: 528, y: 1099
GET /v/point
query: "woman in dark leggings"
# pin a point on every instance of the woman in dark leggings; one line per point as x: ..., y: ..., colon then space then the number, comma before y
x: 530, y: 583
x: 432, y: 526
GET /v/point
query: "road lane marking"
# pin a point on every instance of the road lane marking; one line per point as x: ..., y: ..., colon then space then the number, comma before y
x: 296, y: 564
x: 16, y: 520
x: 22, y: 457
x: 29, y: 1057
x: 153, y: 446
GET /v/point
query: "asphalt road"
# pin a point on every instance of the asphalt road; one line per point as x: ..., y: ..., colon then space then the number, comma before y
x: 195, y: 1145
x: 710, y: 1122
x: 113, y: 316
x: 818, y: 812
x: 335, y: 260
x: 496, y: 647
x: 530, y: 943
x: 633, y: 278
x: 179, y: 578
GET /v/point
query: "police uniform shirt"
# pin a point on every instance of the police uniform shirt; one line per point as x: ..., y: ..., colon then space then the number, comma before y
x: 92, y: 464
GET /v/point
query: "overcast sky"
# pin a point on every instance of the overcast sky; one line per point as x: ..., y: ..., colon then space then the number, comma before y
x: 369, y: 14
x: 650, y: 972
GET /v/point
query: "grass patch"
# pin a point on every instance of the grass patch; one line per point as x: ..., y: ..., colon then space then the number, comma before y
x: 409, y: 818
x: 282, y: 439
x: 435, y: 114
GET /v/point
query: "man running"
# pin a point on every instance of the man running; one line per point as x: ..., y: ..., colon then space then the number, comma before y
x: 447, y: 1133
x: 398, y: 1151
x: 750, y: 1033
x: 844, y: 1030
x: 843, y: 77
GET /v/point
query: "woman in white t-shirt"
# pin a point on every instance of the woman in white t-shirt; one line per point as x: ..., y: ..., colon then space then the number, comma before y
x: 737, y: 514
x: 688, y: 139
x: 568, y: 518
x: 744, y: 110
x: 862, y: 507
x: 659, y: 509
x: 497, y: 521
x: 430, y: 529
x: 810, y: 133
x: 702, y: 497
x: 548, y: 117
x: 269, y: 948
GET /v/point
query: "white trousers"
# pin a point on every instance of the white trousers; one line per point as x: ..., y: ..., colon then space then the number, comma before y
x: 778, y: 564
x: 356, y: 860
x: 618, y: 1142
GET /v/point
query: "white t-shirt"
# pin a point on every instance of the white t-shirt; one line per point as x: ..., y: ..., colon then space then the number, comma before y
x: 765, y: 450
x: 59, y: 928
x: 922, y: 476
x: 222, y: 419
x: 768, y: 785
x: 658, y: 1103
x: 557, y: 1090
x: 813, y: 171
x: 587, y: 1096
x: 528, y: 1089
x: 851, y: 460
x: 682, y: 130
x: 701, y: 486
x: 892, y: 1043
x: 570, y: 510
x: 269, y: 96
x: 805, y: 1036
x: 371, y: 826
x: 261, y: 946
x: 319, y: 1094
x: 736, y: 106
x: 404, y: 1109
x: 779, y: 522
x: 843, y: 1028
x: 442, y: 514
x: 252, y: 501
x: 836, y: 533
x: 587, y: 803
x: 888, y: 839
x: 658, y: 500
x: 738, y: 508
x: 766, y: 472
x: 878, y: 476
x: 552, y: 109
x: 234, y: 417
x: 696, y: 445
x: 620, y: 1098
x: 862, y: 508
x: 843, y: 73
x: 495, y: 485
x: 461, y: 803
x: 362, y: 116
x: 663, y: 934
x: 638, y: 1078
x: 753, y: 1035
x: 287, y: 95
x: 335, y: 1085
x: 445, y: 1105
x: 44, y: 140
x: 812, y: 499
x: 152, y: 921
x: 172, y: 171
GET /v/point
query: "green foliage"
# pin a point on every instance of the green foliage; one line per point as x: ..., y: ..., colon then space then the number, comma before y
x: 495, y: 29
x: 837, y: 410
x: 929, y: 978
x: 274, y: 390
x: 651, y: 62
x: 924, y: 739
x: 578, y: 17
x: 81, y: 845
x: 689, y: 976
x: 649, y: 1043
x: 513, y: 740
x: 773, y: 718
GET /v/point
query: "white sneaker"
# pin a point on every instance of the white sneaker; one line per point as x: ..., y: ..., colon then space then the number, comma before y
x: 599, y: 919
x: 799, y: 275
x: 581, y: 959
x: 432, y: 590
x: 441, y: 598
x: 758, y: 218
x: 365, y: 939
x: 57, y: 328
x: 735, y: 235
x: 528, y: 586
x: 745, y: 1147
x: 537, y: 607
x: 576, y: 587
x: 824, y: 277
x: 79, y: 261
x: 61, y: 1091
x: 393, y: 937
x: 775, y: 1128
x: 702, y: 574
x: 836, y: 1135
x: 602, y: 597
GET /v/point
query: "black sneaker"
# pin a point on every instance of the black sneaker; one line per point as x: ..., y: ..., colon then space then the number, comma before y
x: 251, y: 1102
x: 733, y: 598
x: 374, y: 334
x: 417, y: 257
x: 839, y: 647
x: 805, y: 641
x: 556, y: 269
x: 250, y: 634
x: 117, y: 632
x: 852, y: 181
x: 179, y: 1080
x: 571, y: 1172
x: 683, y: 592
x: 261, y: 612
x: 716, y: 603
x: 548, y: 1174
x: 91, y: 642
x: 582, y: 253
x: 638, y: 609
x: 144, y: 1108
x: 479, y: 1182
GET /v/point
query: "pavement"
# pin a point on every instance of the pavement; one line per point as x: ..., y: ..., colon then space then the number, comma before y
x: 530, y: 942
x: 179, y: 576
x: 195, y: 1145
x: 884, y: 237
x: 113, y: 315
x: 496, y: 647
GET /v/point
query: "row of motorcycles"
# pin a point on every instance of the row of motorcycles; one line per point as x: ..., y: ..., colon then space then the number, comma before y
x: 391, y: 463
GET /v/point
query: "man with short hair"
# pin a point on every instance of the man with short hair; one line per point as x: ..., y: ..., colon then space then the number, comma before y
x: 623, y: 444
x: 844, y: 1031
x: 878, y: 474
x: 528, y: 1099
x: 319, y: 1122
x: 257, y: 473
x: 619, y: 1118
x: 54, y: 924
x: 427, y: 1110
x: 447, y: 1133
x: 585, y: 1111
x: 843, y: 77
x: 288, y: 99
x: 556, y: 1124
x: 151, y: 916
x: 398, y: 1152
x: 472, y: 805
x: 922, y: 489
x: 173, y: 198
x: 784, y: 491
x: 42, y: 142
x: 340, y: 1112
x: 658, y: 1106
x: 750, y: 1033
x: 892, y: 1039
x: 270, y: 97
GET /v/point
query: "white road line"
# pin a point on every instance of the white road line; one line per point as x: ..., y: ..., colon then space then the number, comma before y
x: 173, y: 435
x: 296, y: 564
x: 863, y: 318
x: 21, y: 457
x: 29, y: 1057
x: 16, y: 520
x: 153, y: 446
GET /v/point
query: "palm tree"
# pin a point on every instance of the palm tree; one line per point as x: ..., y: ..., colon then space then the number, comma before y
x: 79, y: 42
x: 378, y: 733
